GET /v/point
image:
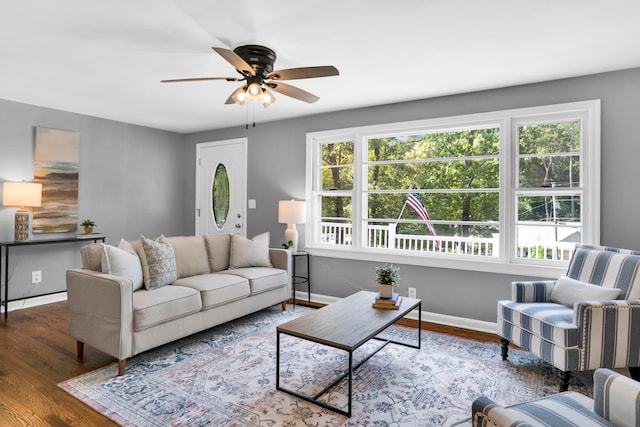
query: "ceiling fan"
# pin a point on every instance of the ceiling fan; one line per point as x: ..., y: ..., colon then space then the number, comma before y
x: 255, y: 65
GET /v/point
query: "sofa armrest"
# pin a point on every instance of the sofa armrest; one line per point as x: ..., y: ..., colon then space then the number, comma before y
x: 101, y: 311
x: 486, y: 413
x: 532, y: 291
x: 281, y: 258
x: 615, y: 397
x: 605, y: 329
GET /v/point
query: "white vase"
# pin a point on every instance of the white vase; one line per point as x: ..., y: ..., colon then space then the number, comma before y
x: 386, y: 291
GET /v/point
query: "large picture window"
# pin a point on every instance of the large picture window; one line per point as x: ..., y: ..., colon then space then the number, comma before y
x: 508, y: 187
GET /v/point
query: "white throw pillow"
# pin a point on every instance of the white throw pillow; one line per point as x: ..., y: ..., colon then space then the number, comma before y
x: 250, y: 253
x: 569, y: 291
x: 122, y: 263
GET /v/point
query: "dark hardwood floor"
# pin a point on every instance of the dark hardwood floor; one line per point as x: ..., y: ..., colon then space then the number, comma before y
x: 36, y: 353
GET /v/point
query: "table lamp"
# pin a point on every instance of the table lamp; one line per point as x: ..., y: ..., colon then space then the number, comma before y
x: 292, y: 212
x: 21, y: 195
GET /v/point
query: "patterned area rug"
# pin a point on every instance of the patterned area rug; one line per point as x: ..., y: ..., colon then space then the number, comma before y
x: 225, y: 376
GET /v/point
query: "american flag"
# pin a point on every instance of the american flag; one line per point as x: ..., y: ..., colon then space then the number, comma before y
x: 415, y: 202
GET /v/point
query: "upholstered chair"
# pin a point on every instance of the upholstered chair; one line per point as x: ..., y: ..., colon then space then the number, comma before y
x: 615, y: 403
x: 585, y: 320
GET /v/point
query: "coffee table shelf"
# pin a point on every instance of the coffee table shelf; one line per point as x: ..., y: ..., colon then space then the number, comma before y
x: 346, y: 325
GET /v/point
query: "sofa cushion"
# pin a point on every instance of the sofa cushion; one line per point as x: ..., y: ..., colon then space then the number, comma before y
x: 569, y: 291
x: 218, y: 250
x: 261, y: 279
x: 122, y: 263
x: 91, y: 255
x: 191, y: 255
x: 551, y: 321
x: 158, y: 262
x: 160, y: 305
x: 217, y: 289
x: 249, y: 253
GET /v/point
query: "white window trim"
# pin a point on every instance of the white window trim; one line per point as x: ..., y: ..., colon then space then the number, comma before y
x: 508, y: 121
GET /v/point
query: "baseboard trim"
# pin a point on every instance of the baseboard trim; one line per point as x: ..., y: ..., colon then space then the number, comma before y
x: 441, y: 319
x: 35, y: 301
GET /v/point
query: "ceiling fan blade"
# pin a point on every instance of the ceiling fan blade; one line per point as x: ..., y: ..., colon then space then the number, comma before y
x: 197, y: 79
x: 293, y: 92
x: 303, y: 73
x: 234, y: 59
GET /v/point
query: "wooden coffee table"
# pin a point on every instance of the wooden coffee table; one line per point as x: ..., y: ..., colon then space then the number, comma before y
x: 346, y: 325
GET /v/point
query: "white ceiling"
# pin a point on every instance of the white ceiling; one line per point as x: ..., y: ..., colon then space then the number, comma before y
x: 106, y: 58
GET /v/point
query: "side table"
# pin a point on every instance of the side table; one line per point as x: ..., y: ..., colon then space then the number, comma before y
x: 298, y: 278
x: 22, y: 243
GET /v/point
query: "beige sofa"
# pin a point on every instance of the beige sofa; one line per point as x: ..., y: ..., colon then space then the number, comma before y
x: 142, y: 294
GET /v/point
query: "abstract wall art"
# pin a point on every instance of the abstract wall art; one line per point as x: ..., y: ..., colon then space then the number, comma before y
x: 56, y: 160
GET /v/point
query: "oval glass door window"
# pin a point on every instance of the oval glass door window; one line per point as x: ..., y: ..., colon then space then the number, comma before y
x: 220, y: 196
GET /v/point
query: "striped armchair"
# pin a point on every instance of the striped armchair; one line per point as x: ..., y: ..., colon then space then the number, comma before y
x: 614, y: 403
x: 572, y: 334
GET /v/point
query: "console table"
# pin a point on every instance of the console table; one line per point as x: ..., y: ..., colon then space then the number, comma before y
x: 21, y: 243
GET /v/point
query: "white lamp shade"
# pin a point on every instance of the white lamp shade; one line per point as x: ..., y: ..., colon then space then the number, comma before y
x: 21, y: 194
x: 292, y: 212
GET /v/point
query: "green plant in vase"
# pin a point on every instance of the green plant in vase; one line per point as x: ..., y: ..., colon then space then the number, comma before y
x: 387, y: 277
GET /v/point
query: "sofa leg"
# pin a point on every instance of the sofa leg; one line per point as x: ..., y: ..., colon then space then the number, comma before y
x: 635, y: 373
x: 565, y: 376
x: 121, y: 365
x: 284, y: 305
x: 504, y: 344
x: 80, y: 349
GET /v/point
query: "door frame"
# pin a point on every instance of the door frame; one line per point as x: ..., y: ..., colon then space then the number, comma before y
x: 243, y: 142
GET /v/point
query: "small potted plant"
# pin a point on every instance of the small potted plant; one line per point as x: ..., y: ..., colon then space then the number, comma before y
x: 387, y: 278
x: 88, y: 225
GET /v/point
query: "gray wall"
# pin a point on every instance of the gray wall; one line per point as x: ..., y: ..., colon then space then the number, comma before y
x: 137, y: 180
x: 131, y: 183
x: 277, y: 171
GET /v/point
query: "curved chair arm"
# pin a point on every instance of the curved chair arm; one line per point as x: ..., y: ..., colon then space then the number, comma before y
x: 607, y: 333
x: 615, y: 397
x: 487, y: 413
x: 532, y: 291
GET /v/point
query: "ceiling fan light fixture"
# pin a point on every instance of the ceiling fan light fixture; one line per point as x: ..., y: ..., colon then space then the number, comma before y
x: 240, y: 96
x: 254, y: 92
x: 267, y: 98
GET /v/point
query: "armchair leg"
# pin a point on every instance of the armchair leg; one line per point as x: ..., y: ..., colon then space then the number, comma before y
x: 504, y: 343
x: 565, y: 376
x: 635, y: 373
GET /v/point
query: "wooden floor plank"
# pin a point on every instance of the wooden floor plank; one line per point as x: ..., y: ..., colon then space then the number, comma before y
x: 36, y: 353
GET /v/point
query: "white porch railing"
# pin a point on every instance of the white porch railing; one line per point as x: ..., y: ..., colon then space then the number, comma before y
x: 385, y: 236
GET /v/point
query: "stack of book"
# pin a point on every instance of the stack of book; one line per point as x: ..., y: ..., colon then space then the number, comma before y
x: 392, y: 303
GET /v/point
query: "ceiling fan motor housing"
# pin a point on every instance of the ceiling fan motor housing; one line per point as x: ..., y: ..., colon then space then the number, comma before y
x: 259, y: 57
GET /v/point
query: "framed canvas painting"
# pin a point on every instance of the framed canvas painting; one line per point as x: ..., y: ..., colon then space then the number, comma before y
x: 56, y: 159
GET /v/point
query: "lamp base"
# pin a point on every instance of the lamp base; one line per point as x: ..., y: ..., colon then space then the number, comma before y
x: 291, y: 235
x: 22, y: 225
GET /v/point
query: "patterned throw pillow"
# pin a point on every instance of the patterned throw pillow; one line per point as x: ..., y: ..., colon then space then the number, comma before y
x: 159, y: 266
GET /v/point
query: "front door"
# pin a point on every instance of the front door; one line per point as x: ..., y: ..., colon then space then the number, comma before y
x: 221, y: 187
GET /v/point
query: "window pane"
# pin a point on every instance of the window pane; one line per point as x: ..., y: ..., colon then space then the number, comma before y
x: 481, y: 173
x: 337, y: 178
x: 436, y: 145
x: 337, y: 153
x: 550, y: 209
x: 554, y: 242
x: 336, y: 207
x: 550, y: 171
x: 480, y: 206
x: 561, y: 137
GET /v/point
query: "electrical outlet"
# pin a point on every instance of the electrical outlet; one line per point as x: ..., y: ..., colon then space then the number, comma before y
x: 36, y: 276
x: 412, y: 292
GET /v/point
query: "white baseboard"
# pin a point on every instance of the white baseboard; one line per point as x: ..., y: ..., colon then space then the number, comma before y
x: 35, y: 301
x: 441, y: 319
